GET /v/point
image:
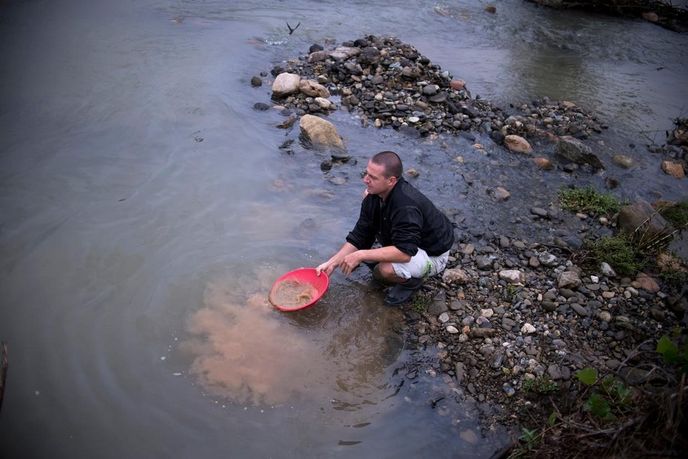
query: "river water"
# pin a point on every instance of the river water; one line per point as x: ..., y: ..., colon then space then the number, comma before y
x: 145, y: 209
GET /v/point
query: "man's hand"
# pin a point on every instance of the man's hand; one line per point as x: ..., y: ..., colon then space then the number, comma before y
x: 326, y: 267
x: 350, y: 262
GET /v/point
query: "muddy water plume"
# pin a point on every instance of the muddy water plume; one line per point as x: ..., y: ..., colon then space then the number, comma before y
x: 246, y: 351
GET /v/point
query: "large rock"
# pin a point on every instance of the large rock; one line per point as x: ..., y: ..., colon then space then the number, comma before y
x: 320, y: 133
x: 576, y: 151
x: 569, y: 279
x: 642, y: 214
x: 517, y: 144
x: 285, y: 84
x: 313, y: 89
x: 455, y: 276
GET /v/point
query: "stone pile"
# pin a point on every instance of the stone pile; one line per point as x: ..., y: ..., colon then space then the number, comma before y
x: 391, y: 84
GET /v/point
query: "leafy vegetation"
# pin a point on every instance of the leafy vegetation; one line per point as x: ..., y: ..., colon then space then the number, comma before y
x: 589, y: 201
x: 672, y: 353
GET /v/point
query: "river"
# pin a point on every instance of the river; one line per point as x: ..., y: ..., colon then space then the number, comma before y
x: 145, y: 209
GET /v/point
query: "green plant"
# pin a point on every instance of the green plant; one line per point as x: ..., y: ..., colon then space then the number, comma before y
x: 675, y: 278
x: 610, y: 398
x: 542, y: 385
x: 420, y: 303
x: 618, y: 251
x: 677, y: 214
x: 672, y: 353
x: 588, y: 200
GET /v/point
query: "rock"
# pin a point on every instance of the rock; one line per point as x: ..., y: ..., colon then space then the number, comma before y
x: 517, y: 144
x: 261, y: 106
x: 411, y: 172
x: 482, y: 332
x: 443, y: 318
x: 650, y: 16
x: 513, y: 276
x: 642, y: 214
x: 457, y: 85
x: 343, y: 53
x: 607, y: 270
x: 622, y: 160
x: 569, y: 279
x: 491, y: 9
x: 313, y: 89
x: 674, y: 169
x: 540, y: 212
x: 580, y: 310
x: 484, y: 262
x: 318, y: 56
x: 452, y: 329
x: 285, y: 84
x: 577, y: 152
x: 323, y: 103
x: 528, y: 329
x: 604, y: 316
x: 320, y: 132
x: 501, y: 194
x: 543, y: 163
x: 554, y: 372
x: 647, y: 283
x: 439, y: 304
x: 256, y: 81
x: 430, y: 90
x: 455, y: 276
x: 469, y: 436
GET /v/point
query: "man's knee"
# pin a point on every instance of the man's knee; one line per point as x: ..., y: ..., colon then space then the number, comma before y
x: 385, y: 271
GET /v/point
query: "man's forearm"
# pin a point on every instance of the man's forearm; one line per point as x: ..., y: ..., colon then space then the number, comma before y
x: 385, y: 254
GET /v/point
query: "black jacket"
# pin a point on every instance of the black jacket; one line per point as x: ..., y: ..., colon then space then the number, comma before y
x: 407, y: 220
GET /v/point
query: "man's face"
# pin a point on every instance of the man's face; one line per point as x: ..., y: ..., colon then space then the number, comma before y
x: 375, y: 179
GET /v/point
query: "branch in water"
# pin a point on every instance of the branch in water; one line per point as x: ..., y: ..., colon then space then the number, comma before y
x: 291, y: 31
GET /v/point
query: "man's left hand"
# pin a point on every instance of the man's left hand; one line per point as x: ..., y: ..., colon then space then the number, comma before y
x: 350, y: 263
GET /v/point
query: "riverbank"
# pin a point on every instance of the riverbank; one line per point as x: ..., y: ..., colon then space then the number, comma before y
x: 514, y: 323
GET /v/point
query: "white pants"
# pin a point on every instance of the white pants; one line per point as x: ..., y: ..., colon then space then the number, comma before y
x: 421, y: 265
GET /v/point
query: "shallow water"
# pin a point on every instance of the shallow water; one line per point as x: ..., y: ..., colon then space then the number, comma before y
x: 146, y: 209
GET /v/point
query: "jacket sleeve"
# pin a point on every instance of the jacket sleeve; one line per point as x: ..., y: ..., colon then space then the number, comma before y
x: 407, y: 224
x: 363, y: 234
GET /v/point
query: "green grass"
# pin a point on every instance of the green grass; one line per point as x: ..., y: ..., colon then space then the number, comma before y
x: 589, y: 201
x: 618, y: 251
x: 677, y: 214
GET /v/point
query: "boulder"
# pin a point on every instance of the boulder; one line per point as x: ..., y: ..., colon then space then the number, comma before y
x: 313, y: 89
x: 517, y: 144
x: 285, y: 84
x: 642, y: 214
x: 501, y: 194
x: 577, y: 152
x: 320, y: 133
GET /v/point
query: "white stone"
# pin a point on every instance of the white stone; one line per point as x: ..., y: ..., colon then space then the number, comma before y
x: 513, y: 276
x: 285, y: 84
x: 323, y: 103
x: 527, y: 329
x: 487, y: 313
x: 594, y: 279
x: 320, y: 132
x: 607, y: 270
x: 444, y: 317
x: 452, y: 329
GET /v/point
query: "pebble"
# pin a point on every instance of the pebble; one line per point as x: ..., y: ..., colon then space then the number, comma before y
x: 527, y: 329
x: 452, y: 329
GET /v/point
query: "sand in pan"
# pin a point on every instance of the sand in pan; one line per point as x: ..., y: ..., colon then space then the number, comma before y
x: 244, y: 349
x: 291, y: 294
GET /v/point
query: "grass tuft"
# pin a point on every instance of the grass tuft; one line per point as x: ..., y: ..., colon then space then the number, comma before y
x: 589, y: 201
